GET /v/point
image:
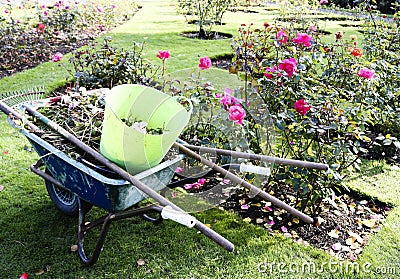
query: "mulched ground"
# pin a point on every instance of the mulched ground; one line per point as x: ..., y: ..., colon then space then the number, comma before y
x: 346, y: 223
x: 343, y: 227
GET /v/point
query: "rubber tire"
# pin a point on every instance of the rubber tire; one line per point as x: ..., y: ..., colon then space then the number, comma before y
x: 64, y: 200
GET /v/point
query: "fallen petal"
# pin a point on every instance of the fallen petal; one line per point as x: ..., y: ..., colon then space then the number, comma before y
x: 178, y: 170
x: 284, y: 229
x: 267, y: 208
x: 24, y: 276
x: 245, y: 207
x: 337, y: 246
x: 272, y: 222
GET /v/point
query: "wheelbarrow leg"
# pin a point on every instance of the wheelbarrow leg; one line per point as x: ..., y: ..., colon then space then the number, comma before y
x: 82, y: 229
x: 105, y: 222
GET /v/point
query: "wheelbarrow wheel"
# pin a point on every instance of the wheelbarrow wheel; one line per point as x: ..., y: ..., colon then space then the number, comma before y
x: 64, y: 200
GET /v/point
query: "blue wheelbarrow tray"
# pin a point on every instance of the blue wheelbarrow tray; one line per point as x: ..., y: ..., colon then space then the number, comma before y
x: 110, y: 194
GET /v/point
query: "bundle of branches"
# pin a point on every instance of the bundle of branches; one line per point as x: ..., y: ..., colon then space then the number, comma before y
x: 81, y: 114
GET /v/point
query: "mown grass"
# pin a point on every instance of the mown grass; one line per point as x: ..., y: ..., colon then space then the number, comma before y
x: 35, y: 237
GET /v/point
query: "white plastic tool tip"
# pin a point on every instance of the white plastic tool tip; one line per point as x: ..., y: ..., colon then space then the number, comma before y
x: 180, y: 217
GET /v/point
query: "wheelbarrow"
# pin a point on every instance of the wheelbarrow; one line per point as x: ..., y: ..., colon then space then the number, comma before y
x: 76, y: 186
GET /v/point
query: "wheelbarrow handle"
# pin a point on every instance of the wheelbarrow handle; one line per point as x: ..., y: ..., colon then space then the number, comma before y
x: 217, y: 238
x: 258, y: 157
x: 253, y: 189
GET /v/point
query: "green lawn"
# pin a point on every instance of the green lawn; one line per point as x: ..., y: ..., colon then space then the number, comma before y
x: 35, y: 238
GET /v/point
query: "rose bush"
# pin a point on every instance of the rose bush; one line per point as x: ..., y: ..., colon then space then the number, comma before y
x: 331, y: 102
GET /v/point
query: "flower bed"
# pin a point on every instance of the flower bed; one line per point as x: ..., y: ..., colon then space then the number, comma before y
x: 58, y: 27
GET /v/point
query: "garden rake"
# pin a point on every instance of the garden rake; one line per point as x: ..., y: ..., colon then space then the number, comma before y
x: 14, y: 98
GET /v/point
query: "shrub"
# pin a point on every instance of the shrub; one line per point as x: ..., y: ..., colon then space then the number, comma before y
x: 107, y: 66
x: 205, y: 13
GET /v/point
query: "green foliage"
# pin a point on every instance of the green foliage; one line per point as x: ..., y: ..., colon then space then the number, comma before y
x: 384, y: 6
x: 107, y: 66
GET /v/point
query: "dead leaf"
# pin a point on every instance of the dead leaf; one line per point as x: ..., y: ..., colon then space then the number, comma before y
x: 74, y: 248
x: 337, y: 213
x: 376, y: 210
x: 296, y: 221
x: 247, y: 220
x: 259, y: 220
x: 355, y: 236
x: 370, y: 223
x: 319, y: 221
x: 39, y: 272
x: 346, y: 248
x: 334, y: 233
x: 141, y: 262
x: 350, y: 241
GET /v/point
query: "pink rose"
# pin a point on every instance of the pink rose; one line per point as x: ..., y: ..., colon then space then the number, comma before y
x: 226, y: 100
x: 237, y: 114
x: 40, y: 27
x: 205, y: 63
x: 289, y: 66
x: 366, y: 73
x: 282, y: 37
x: 163, y: 54
x: 57, y: 57
x: 269, y: 71
x: 303, y: 39
x: 302, y: 107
